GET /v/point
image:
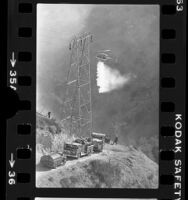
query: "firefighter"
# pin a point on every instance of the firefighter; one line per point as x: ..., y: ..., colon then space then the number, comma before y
x: 49, y: 113
x: 115, y: 140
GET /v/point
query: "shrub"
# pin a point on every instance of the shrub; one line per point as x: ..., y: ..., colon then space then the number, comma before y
x: 59, y: 140
x: 150, y: 147
x: 52, y: 129
x: 105, y: 173
x: 44, y: 138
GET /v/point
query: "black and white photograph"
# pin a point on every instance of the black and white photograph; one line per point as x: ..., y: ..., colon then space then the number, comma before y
x: 97, y: 101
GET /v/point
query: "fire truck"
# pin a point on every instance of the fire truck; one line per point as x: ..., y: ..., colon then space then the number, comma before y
x: 78, y: 148
x: 98, y: 140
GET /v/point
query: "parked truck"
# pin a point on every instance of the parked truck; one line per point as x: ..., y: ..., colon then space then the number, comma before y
x: 76, y: 149
x: 53, y: 160
x: 87, y: 146
x: 73, y: 150
x: 99, y: 136
x: 98, y: 140
x: 98, y: 145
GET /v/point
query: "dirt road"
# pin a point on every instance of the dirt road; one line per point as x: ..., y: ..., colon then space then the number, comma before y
x: 42, y: 171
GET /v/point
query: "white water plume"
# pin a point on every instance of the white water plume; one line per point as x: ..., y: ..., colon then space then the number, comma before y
x: 109, y: 79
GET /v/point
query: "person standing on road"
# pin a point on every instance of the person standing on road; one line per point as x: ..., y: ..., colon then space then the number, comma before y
x: 115, y: 140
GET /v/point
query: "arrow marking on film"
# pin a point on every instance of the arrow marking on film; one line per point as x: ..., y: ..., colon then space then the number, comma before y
x: 11, y: 161
x: 13, y: 60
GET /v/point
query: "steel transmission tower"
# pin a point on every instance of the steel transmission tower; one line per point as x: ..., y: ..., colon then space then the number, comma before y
x: 77, y: 111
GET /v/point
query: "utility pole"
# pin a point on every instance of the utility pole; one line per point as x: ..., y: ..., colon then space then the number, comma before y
x: 77, y: 108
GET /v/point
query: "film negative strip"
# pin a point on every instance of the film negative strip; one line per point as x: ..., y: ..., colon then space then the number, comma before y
x: 97, y: 99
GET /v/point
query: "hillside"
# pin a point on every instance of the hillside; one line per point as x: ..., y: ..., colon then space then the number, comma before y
x: 116, y: 167
x: 43, y: 122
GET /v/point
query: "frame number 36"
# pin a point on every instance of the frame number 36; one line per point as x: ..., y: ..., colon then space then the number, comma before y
x: 11, y: 179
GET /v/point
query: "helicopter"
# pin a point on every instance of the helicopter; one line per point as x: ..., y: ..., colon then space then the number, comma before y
x: 105, y: 55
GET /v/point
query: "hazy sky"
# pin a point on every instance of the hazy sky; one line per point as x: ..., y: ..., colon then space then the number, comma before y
x: 56, y: 25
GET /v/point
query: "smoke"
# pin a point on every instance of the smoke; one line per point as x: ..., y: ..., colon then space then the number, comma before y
x: 57, y: 24
x: 109, y: 79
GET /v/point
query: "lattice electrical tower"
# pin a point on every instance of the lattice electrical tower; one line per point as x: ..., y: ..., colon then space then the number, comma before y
x: 77, y: 111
